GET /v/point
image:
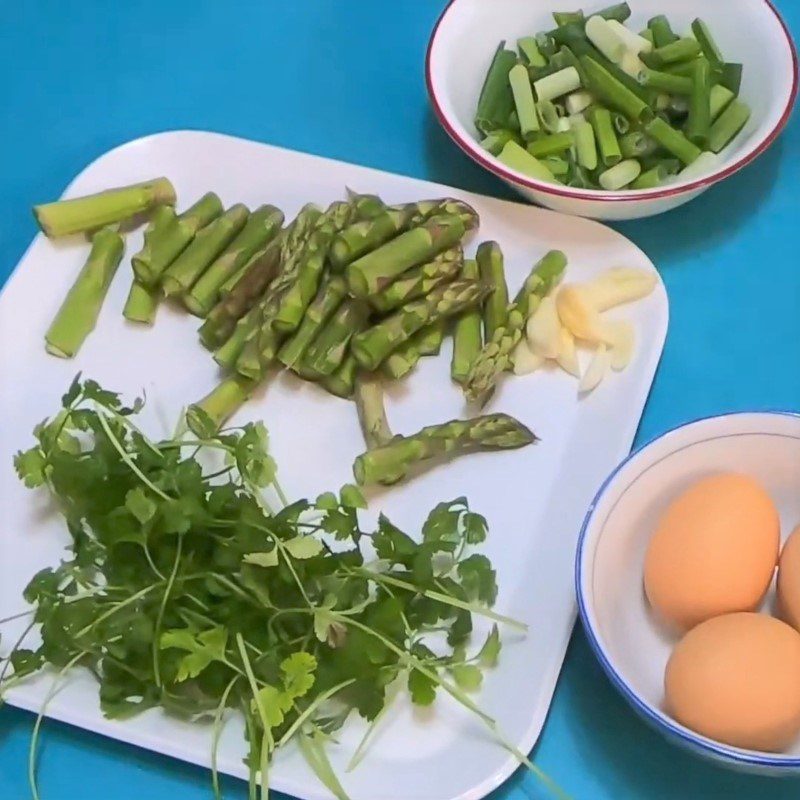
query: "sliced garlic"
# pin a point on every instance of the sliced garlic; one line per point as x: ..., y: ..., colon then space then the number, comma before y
x: 526, y: 361
x: 618, y: 286
x: 543, y: 329
x: 578, y: 313
x: 567, y: 357
x: 623, y: 342
x: 598, y: 368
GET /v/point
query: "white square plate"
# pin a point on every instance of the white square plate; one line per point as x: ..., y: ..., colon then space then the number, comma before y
x: 534, y: 499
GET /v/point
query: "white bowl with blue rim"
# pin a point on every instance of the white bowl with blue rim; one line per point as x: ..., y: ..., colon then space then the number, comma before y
x: 630, y: 643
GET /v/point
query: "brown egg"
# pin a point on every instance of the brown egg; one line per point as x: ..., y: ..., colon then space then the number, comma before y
x: 789, y: 581
x: 714, y: 551
x: 734, y: 679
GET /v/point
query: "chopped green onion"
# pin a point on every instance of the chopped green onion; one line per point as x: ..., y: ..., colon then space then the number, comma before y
x: 648, y: 34
x: 728, y: 125
x: 631, y: 64
x: 585, y: 145
x: 620, y: 176
x: 497, y: 140
x: 496, y: 101
x: 622, y: 124
x: 698, y: 124
x: 680, y: 50
x: 521, y: 160
x: 637, y: 145
x: 530, y: 52
x: 651, y: 179
x: 731, y: 77
x: 570, y: 35
x: 620, y: 12
x: 578, y: 101
x: 706, y: 163
x: 662, y: 102
x: 548, y: 113
x: 547, y: 44
x: 523, y: 100
x: 662, y: 31
x: 605, y: 86
x: 678, y: 108
x: 566, y: 17
x: 721, y: 98
x: 671, y: 166
x: 633, y: 42
x: 605, y: 38
x: 606, y: 137
x: 665, y: 82
x: 672, y: 140
x: 683, y: 68
x: 550, y: 145
x: 557, y: 165
x: 558, y: 84
x: 707, y: 43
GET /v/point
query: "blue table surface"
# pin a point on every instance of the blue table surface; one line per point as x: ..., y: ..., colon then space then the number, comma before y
x: 345, y: 79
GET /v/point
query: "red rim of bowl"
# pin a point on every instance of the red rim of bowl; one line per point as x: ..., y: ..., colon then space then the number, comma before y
x: 597, y: 196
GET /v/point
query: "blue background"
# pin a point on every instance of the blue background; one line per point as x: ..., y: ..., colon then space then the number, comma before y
x: 344, y: 78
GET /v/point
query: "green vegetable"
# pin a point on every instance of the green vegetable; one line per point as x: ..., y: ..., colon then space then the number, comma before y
x: 662, y: 31
x: 518, y: 158
x: 197, y: 592
x: 551, y: 145
x: 142, y: 304
x: 672, y: 140
x: 729, y: 124
x: 698, y: 124
x: 607, y: 87
x: 606, y: 136
x: 492, y: 272
x: 709, y: 47
x: 342, y: 382
x: 78, y: 314
x: 496, y: 100
x: 65, y: 217
x: 467, y: 331
x: 679, y: 50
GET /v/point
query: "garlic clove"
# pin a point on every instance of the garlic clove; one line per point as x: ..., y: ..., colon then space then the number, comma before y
x: 598, y: 368
x: 578, y: 313
x: 622, y: 344
x: 525, y: 361
x: 543, y: 329
x: 567, y: 357
x: 618, y: 286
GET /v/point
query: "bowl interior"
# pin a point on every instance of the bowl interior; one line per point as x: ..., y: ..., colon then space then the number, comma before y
x: 747, y: 31
x: 633, y: 644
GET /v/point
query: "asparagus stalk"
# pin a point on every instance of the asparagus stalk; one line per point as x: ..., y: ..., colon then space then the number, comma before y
x: 329, y: 348
x: 295, y: 300
x: 210, y: 241
x: 429, y: 340
x: 371, y: 411
x: 166, y: 239
x: 399, y: 363
x: 142, y: 304
x: 391, y: 462
x: 371, y: 273
x: 261, y: 271
x: 373, y: 345
x: 65, y: 217
x: 342, y: 382
x: 492, y: 273
x: 496, y: 356
x: 220, y: 404
x: 420, y: 280
x: 78, y: 313
x: 467, y: 341
x: 362, y: 237
x: 227, y: 354
x: 319, y: 312
x: 261, y: 227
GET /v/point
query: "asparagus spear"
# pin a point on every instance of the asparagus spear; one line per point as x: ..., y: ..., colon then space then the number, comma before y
x: 390, y: 462
x: 371, y: 273
x: 496, y: 356
x: 329, y: 348
x: 221, y: 403
x: 210, y: 241
x: 165, y: 241
x: 262, y: 226
x: 342, y: 382
x: 229, y: 351
x: 78, y: 313
x: 490, y: 267
x: 399, y: 363
x: 420, y: 280
x: 362, y: 237
x: 467, y: 340
x: 371, y: 411
x: 429, y: 340
x: 94, y: 211
x: 373, y: 345
x: 295, y: 299
x: 261, y: 271
x: 142, y: 304
x: 319, y: 312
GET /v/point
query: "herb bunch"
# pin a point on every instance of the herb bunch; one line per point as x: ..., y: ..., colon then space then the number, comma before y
x: 186, y: 589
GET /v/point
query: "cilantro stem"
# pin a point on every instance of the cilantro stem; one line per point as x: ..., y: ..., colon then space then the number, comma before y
x: 106, y: 614
x: 150, y: 561
x: 54, y: 689
x: 318, y: 701
x: 162, y: 609
x: 443, y: 598
x: 218, y: 714
x: 128, y: 424
x: 126, y: 457
x: 317, y: 758
x: 14, y: 649
x: 361, y: 749
x: 17, y: 616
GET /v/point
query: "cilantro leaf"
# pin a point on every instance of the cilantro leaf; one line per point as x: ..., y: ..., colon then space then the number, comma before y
x: 467, y: 677
x: 140, y: 505
x: 268, y: 559
x: 478, y: 578
x: 303, y: 547
x: 30, y: 466
x: 421, y: 687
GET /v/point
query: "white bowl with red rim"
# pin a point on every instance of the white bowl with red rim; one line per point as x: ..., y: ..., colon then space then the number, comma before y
x: 748, y: 31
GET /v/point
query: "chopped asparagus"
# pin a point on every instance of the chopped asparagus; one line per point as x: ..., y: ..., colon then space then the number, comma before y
x: 371, y: 411
x: 142, y: 304
x: 65, y: 217
x: 467, y: 336
x: 78, y: 313
x: 342, y: 382
x: 221, y: 403
x: 329, y: 348
x: 492, y: 273
x: 390, y: 462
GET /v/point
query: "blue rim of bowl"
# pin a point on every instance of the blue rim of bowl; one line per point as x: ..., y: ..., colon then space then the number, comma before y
x: 659, y: 720
x: 491, y: 164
